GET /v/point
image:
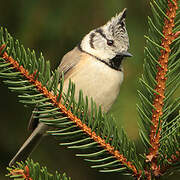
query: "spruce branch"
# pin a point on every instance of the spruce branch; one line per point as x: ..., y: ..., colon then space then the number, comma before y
x: 162, y: 63
x: 161, y: 79
x: 94, y: 132
x: 31, y: 171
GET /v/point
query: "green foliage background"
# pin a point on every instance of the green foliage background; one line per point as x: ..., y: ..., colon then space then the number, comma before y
x: 54, y: 28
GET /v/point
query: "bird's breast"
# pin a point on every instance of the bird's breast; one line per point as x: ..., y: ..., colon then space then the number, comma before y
x: 96, y: 80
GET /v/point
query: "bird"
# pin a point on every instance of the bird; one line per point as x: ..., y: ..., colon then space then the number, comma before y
x: 95, y: 67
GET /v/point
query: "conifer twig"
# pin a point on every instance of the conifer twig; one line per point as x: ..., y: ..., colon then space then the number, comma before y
x: 30, y: 170
x: 161, y: 85
x: 31, y: 78
x: 21, y: 173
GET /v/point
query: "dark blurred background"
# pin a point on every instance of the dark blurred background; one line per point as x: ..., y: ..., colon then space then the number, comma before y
x: 54, y: 28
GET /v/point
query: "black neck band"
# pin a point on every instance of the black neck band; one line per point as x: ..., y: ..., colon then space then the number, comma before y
x: 114, y: 63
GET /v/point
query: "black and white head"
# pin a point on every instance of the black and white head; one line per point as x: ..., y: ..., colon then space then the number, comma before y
x: 108, y: 41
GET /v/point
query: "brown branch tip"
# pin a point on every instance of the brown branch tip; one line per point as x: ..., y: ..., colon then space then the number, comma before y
x: 21, y: 173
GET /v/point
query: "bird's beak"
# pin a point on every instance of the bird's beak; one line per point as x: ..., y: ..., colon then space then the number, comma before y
x: 125, y: 54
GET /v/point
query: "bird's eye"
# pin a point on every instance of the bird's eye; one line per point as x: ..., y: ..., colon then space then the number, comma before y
x: 110, y: 42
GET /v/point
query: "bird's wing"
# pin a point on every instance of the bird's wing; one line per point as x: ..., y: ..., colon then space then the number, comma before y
x: 69, y: 61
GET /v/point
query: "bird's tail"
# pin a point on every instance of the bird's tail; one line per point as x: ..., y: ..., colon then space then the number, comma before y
x: 30, y: 144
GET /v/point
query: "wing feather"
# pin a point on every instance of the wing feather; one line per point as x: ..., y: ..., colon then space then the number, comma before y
x: 69, y: 61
